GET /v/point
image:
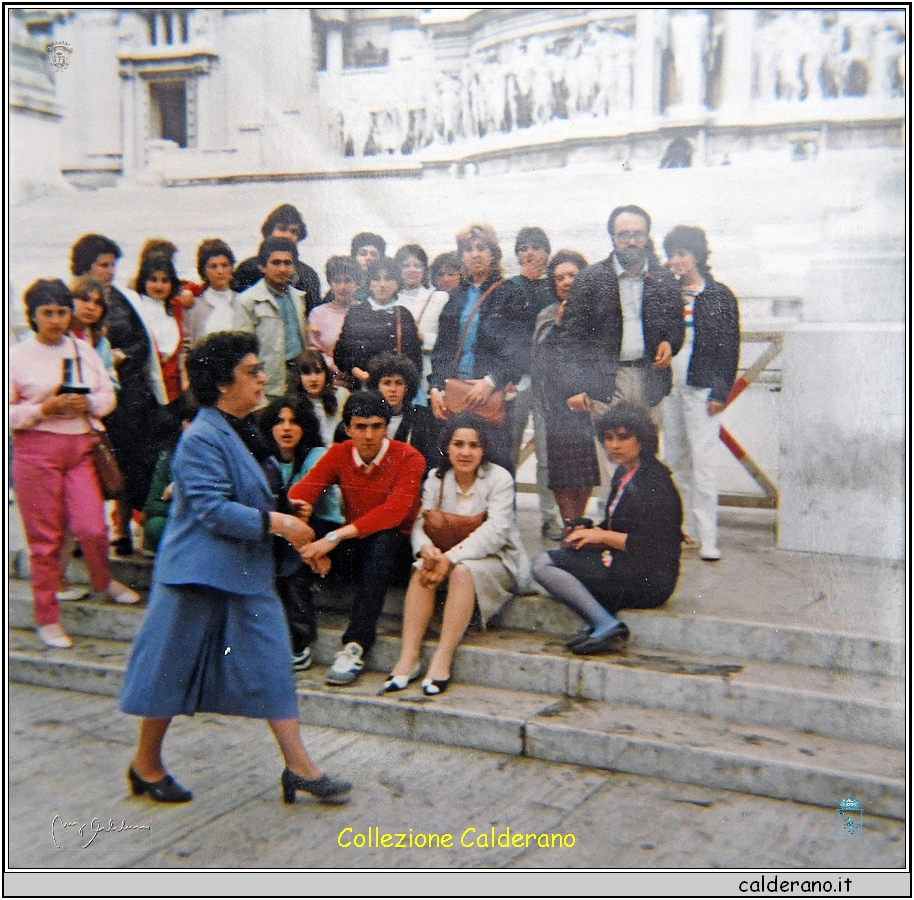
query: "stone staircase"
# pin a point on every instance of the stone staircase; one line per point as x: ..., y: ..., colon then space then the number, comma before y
x: 793, y: 712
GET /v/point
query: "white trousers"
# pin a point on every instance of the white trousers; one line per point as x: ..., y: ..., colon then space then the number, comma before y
x: 690, y: 438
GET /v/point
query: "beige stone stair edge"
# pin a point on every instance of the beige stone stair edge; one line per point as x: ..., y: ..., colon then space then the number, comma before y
x: 535, y: 725
x: 700, y: 635
x: 842, y: 706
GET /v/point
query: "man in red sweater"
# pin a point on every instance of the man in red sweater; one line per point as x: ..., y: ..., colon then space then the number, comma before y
x: 380, y: 481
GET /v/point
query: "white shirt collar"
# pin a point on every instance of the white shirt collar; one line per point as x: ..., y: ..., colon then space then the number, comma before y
x: 369, y: 466
x: 622, y: 272
x: 388, y: 307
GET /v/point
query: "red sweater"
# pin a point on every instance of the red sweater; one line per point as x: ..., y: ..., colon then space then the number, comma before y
x: 386, y: 497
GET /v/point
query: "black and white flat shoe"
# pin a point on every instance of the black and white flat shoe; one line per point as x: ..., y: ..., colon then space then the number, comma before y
x: 433, y: 687
x: 395, y: 683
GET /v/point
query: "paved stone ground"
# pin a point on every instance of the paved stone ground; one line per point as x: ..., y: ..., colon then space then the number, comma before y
x: 237, y: 819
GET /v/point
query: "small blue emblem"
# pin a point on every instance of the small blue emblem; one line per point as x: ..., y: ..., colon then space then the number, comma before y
x: 850, y: 817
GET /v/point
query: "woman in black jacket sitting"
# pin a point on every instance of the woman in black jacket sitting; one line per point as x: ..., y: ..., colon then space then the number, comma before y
x: 631, y: 561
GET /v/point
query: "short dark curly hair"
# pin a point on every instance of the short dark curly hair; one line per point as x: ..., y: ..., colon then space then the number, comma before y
x: 383, y: 265
x: 636, y: 420
x: 212, y: 364
x: 367, y: 239
x: 340, y: 267
x: 408, y: 250
x: 276, y: 245
x: 285, y: 214
x: 209, y: 248
x: 533, y: 235
x: 385, y: 364
x: 88, y: 249
x: 692, y: 239
x: 366, y: 405
x: 45, y: 292
x: 563, y: 256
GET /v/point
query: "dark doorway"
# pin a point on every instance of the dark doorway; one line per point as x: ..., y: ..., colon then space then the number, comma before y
x: 168, y: 110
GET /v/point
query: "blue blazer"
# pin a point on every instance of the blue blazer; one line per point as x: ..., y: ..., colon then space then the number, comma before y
x: 215, y: 533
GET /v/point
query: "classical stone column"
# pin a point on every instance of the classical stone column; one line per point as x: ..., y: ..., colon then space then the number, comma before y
x: 646, y: 90
x: 739, y: 25
x: 689, y: 38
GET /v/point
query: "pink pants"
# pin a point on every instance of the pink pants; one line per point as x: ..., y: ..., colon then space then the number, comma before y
x: 56, y: 487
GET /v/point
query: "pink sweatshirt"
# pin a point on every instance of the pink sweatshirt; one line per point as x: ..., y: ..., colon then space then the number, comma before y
x: 36, y: 371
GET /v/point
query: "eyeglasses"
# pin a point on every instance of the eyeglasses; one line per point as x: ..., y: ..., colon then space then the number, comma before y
x: 627, y: 237
x: 253, y: 370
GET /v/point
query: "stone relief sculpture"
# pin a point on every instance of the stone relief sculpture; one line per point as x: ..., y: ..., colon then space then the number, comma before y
x: 588, y: 71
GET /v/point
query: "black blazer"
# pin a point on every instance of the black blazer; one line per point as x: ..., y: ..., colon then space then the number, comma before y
x: 504, y: 337
x: 715, y: 351
x: 650, y: 513
x: 591, y: 335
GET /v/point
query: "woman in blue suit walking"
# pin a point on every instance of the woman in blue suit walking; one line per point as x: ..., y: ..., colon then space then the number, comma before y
x: 214, y: 638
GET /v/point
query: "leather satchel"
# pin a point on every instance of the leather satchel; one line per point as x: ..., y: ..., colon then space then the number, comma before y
x: 447, y: 530
x: 456, y: 389
x: 110, y: 479
x: 455, y: 399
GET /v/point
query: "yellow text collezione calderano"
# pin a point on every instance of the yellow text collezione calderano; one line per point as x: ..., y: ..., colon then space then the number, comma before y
x: 471, y: 837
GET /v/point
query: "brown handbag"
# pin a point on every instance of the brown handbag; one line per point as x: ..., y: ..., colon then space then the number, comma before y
x: 455, y: 399
x: 457, y: 389
x: 110, y: 478
x: 447, y: 530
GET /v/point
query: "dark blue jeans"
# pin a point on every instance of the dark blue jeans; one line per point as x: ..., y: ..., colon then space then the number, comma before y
x: 372, y: 564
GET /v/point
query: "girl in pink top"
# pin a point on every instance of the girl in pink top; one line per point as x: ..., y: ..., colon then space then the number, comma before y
x: 58, y: 384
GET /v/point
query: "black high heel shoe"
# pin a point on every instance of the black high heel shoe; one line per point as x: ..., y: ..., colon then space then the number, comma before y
x: 165, y: 790
x: 432, y: 687
x: 325, y: 789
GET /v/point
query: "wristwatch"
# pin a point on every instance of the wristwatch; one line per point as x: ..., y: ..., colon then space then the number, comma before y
x: 331, y: 536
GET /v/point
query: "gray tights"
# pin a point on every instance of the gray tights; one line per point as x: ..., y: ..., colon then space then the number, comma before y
x: 565, y: 588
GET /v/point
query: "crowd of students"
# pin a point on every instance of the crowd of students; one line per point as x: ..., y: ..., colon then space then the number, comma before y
x: 404, y: 373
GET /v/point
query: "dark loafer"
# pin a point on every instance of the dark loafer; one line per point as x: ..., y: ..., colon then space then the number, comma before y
x: 583, y: 635
x: 165, y: 790
x: 611, y: 641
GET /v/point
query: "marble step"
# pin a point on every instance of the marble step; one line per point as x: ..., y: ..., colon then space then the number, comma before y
x: 660, y: 629
x: 769, y: 761
x: 845, y: 705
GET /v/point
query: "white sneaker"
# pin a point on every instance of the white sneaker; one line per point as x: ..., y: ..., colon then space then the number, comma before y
x: 347, y: 666
x: 709, y: 554
x: 54, y: 636
x: 73, y: 593
x: 120, y: 593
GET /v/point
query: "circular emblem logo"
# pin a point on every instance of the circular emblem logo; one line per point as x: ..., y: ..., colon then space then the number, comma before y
x: 59, y: 54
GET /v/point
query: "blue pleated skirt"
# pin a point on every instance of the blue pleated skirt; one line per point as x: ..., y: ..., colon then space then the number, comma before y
x: 200, y: 649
